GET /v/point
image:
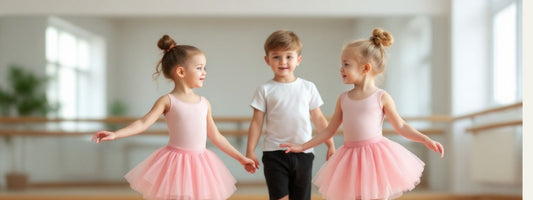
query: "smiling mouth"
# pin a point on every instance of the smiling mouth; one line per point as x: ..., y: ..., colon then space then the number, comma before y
x: 283, y: 68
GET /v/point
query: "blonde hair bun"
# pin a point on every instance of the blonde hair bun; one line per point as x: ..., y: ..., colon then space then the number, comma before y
x: 166, y: 43
x: 381, y: 38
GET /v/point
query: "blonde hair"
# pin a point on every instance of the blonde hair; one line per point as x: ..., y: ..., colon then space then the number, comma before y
x: 283, y: 40
x: 173, y: 55
x: 372, y: 50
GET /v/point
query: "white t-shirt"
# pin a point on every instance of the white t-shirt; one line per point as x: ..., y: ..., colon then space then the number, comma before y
x: 287, y: 109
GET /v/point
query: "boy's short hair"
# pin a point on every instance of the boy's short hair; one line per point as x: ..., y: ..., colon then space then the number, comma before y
x: 283, y: 40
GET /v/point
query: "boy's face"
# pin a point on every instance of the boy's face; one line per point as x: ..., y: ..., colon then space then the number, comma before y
x: 283, y: 62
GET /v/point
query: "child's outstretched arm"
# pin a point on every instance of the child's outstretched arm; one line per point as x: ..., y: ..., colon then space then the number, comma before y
x: 322, y: 136
x: 406, y: 130
x: 222, y: 143
x: 320, y: 122
x: 254, y: 132
x: 138, y: 126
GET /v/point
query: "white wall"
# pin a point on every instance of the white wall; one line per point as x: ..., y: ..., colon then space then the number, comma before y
x: 440, y: 66
x: 469, y: 33
x: 226, y: 8
x: 470, y: 36
x: 22, y: 43
x: 528, y: 95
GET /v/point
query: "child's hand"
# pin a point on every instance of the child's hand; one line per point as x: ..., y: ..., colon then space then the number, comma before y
x: 252, y: 168
x: 330, y: 153
x: 103, y: 136
x: 296, y: 148
x: 435, y: 146
x: 249, y: 164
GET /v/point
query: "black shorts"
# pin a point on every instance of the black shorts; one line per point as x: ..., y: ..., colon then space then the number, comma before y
x: 288, y: 174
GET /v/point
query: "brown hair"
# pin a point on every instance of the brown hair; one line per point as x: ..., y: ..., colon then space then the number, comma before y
x: 373, y: 50
x: 283, y: 40
x: 173, y: 55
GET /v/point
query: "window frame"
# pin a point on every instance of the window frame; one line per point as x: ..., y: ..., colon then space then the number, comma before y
x: 95, y: 67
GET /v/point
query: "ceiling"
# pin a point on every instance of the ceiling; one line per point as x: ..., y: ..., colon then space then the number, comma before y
x: 226, y: 8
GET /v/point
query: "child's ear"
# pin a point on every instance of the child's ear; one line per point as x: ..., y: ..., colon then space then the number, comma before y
x: 299, y: 59
x: 266, y: 60
x: 180, y: 71
x: 367, y: 68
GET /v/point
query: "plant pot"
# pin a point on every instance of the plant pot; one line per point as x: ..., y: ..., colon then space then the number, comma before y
x: 16, y: 181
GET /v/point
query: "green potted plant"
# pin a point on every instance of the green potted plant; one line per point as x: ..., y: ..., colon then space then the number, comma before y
x: 23, y: 96
x: 116, y: 108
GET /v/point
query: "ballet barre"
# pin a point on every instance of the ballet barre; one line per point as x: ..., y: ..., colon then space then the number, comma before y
x: 241, y: 125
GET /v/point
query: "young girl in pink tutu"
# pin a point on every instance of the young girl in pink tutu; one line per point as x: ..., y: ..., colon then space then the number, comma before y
x: 184, y: 169
x: 368, y: 165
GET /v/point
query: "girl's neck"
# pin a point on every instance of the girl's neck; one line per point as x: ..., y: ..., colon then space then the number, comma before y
x: 182, y: 89
x: 365, y: 86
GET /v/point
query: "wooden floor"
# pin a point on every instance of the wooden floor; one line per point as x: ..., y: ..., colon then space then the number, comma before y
x: 253, y: 193
x: 244, y: 197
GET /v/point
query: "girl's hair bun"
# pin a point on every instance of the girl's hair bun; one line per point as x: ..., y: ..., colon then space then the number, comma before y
x: 381, y: 38
x: 166, y: 43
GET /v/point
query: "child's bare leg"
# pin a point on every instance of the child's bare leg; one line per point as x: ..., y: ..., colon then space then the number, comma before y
x: 285, y: 198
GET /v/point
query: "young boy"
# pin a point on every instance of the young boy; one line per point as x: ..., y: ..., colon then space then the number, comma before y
x: 289, y: 104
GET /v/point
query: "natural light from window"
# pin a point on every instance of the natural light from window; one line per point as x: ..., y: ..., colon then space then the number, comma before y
x: 505, y: 55
x: 75, y: 68
x: 67, y: 58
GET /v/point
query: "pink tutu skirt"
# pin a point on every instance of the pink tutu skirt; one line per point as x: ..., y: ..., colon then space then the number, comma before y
x: 377, y: 168
x: 179, y: 174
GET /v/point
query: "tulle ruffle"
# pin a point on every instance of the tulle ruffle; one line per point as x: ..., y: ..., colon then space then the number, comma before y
x: 377, y: 168
x: 178, y: 174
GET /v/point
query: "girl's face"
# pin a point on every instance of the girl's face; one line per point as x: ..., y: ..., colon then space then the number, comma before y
x: 194, y: 71
x: 283, y: 63
x: 352, y: 71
